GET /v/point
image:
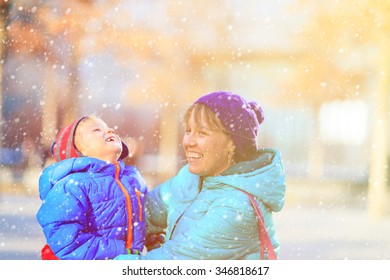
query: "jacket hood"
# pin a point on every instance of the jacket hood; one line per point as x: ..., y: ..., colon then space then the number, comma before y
x: 262, y: 177
x: 59, y: 170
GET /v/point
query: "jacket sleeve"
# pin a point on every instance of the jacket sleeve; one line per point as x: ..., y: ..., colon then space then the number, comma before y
x: 64, y: 219
x: 156, y: 212
x: 141, y: 181
x: 165, y: 198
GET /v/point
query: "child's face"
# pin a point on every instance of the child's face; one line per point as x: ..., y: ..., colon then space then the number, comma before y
x: 93, y: 138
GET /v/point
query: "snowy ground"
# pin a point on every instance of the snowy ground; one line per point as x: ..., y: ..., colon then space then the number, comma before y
x: 335, y: 233
x: 21, y: 237
x: 330, y: 221
x: 314, y: 225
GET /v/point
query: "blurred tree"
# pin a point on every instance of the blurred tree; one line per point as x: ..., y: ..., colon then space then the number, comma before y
x: 89, y: 28
x: 21, y: 78
x: 342, y: 40
x: 379, y: 27
x: 63, y: 24
x: 4, y: 9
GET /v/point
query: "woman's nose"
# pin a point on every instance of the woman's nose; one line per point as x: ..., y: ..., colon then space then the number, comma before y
x: 190, y: 140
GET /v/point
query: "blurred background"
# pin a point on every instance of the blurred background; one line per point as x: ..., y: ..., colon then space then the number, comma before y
x: 320, y: 70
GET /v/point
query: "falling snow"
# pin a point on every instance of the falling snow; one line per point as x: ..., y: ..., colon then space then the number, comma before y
x: 316, y: 68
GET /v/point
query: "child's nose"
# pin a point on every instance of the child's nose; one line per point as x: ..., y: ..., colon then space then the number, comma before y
x: 110, y: 130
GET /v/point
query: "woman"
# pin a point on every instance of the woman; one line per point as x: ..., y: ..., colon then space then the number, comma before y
x: 204, y: 210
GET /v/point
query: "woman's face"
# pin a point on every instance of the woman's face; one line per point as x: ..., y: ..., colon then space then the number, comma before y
x: 208, y: 151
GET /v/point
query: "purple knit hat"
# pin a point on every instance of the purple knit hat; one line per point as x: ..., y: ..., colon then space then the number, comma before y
x: 240, y: 118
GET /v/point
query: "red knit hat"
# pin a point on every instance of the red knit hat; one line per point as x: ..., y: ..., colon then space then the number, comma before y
x: 64, y: 147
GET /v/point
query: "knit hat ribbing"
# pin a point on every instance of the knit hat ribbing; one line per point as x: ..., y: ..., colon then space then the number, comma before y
x: 63, y: 147
x: 240, y: 118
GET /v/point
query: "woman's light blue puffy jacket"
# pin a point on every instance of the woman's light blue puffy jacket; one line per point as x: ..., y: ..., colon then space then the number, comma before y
x: 217, y: 221
x: 84, y: 213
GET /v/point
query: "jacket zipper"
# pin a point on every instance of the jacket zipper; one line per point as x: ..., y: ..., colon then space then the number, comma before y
x: 138, y: 193
x: 200, y: 185
x: 129, y: 239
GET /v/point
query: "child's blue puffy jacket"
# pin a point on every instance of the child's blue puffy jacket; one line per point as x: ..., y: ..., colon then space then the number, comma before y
x: 92, y: 209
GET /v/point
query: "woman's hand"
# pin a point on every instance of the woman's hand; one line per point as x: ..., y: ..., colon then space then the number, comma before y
x: 154, y: 241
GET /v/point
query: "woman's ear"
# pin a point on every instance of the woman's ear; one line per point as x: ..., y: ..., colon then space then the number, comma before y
x: 231, y: 152
x: 231, y: 148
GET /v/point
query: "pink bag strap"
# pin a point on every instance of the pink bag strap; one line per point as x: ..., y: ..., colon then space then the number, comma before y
x: 263, y: 235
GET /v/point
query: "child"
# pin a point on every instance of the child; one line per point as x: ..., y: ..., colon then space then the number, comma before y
x: 92, y: 204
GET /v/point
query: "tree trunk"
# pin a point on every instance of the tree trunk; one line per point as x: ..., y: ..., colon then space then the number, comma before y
x: 377, y: 190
